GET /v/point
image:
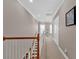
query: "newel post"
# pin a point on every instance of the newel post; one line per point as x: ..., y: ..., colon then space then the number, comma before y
x: 38, y: 37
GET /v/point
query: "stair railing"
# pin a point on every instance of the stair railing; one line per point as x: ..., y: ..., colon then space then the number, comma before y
x: 35, y: 39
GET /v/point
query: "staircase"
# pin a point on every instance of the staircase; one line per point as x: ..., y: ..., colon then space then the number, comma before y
x: 33, y: 52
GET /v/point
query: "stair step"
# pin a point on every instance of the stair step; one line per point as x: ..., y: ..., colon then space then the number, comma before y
x: 34, y: 53
x: 34, y: 57
x: 34, y: 50
x: 36, y: 42
x: 36, y: 45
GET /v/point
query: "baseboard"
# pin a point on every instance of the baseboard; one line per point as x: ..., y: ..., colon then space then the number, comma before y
x: 61, y: 50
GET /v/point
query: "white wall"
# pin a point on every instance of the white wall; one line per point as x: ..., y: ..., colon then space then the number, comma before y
x: 67, y: 35
x: 17, y: 22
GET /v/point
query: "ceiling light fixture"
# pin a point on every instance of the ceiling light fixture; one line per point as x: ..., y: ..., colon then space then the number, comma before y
x: 31, y: 0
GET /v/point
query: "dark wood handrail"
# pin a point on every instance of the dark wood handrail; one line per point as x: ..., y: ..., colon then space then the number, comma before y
x: 19, y: 37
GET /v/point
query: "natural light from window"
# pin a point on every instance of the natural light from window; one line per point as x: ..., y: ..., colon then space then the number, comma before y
x: 42, y: 28
x: 51, y: 28
x: 31, y: 1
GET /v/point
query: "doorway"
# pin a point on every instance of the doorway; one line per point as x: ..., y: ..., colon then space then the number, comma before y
x: 56, y: 30
x: 42, y: 28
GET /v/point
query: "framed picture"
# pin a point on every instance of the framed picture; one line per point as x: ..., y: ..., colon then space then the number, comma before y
x: 71, y: 17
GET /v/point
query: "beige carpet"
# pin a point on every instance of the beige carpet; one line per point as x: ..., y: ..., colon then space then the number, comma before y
x: 50, y: 50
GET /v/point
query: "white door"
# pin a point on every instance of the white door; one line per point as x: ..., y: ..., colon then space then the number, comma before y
x: 56, y: 30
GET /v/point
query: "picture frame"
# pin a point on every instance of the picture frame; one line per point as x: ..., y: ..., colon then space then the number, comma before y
x: 71, y: 17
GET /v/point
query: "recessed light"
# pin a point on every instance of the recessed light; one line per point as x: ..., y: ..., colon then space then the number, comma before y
x: 31, y: 0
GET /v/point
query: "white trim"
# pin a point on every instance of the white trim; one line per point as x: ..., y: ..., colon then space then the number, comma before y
x: 61, y: 50
x: 26, y: 8
x: 35, y: 16
x: 58, y: 8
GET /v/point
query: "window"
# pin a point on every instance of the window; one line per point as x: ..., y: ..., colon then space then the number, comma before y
x: 51, y: 28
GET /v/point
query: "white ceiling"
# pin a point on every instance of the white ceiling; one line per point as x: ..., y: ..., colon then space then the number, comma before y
x: 42, y: 10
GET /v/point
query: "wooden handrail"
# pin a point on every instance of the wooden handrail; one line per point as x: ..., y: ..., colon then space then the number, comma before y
x: 15, y: 38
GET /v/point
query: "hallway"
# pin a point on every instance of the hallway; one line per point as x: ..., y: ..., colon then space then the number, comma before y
x: 26, y: 18
x: 50, y: 49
